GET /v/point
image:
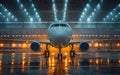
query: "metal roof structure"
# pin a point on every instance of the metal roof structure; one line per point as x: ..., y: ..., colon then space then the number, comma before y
x: 87, y: 17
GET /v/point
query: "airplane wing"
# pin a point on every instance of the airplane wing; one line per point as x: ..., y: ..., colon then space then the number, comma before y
x: 84, y: 44
x: 21, y: 40
x: 88, y: 41
x: 78, y: 41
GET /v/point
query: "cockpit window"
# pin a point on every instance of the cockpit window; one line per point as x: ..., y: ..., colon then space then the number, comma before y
x: 63, y: 25
x: 56, y: 25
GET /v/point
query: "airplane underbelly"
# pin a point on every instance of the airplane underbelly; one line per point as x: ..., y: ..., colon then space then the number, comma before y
x: 60, y: 41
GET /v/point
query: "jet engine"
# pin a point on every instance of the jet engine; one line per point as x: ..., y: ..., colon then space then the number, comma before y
x: 84, y: 46
x: 35, y: 46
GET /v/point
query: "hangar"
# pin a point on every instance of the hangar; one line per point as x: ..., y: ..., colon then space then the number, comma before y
x: 23, y: 21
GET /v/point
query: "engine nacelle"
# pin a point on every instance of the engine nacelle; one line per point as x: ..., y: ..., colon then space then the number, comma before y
x: 35, y: 46
x: 84, y: 46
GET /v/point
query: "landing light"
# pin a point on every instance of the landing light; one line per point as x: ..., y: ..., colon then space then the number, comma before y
x: 119, y: 61
x: 13, y: 45
x: 100, y: 45
x: 53, y: 54
x: 96, y: 44
x: 1, y: 45
x: 90, y: 60
x: 118, y: 44
x: 97, y: 61
x: 66, y: 53
x: 24, y: 45
x: 12, y: 63
x: 26, y: 41
x: 90, y: 44
x: 19, y: 45
x: 108, y: 60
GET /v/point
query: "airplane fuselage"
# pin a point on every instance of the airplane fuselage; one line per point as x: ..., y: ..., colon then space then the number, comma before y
x: 60, y: 34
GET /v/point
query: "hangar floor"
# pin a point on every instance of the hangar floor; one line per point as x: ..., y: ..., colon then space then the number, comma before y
x: 82, y: 64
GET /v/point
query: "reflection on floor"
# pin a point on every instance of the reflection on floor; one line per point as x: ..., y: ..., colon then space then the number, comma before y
x: 82, y: 64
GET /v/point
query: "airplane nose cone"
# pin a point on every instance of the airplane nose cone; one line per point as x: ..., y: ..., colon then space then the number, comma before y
x: 60, y: 36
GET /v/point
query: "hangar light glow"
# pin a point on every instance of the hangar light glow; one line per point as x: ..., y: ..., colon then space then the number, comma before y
x: 113, y: 15
x: 65, y: 10
x: 7, y: 15
x: 24, y: 10
x: 54, y: 10
x: 35, y: 13
x: 85, y: 13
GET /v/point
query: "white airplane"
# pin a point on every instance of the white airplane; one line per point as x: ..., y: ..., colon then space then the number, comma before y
x: 59, y: 35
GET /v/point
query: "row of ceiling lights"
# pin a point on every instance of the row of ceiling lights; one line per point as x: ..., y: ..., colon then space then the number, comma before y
x: 26, y: 45
x: 35, y: 15
x: 87, y: 15
x: 113, y: 15
x: 7, y: 15
x: 74, y: 35
x: 55, y: 10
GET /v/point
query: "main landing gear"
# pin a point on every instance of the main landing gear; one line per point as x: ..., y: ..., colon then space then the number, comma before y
x: 72, y: 52
x: 46, y: 52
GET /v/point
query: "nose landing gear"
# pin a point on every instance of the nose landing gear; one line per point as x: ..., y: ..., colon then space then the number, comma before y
x: 60, y: 55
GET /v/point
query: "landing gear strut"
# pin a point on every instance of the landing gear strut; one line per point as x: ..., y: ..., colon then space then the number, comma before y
x: 47, y: 52
x: 72, y: 52
x: 60, y: 54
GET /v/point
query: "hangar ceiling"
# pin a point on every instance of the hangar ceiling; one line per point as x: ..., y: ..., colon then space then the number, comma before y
x: 78, y: 13
x: 85, y: 16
